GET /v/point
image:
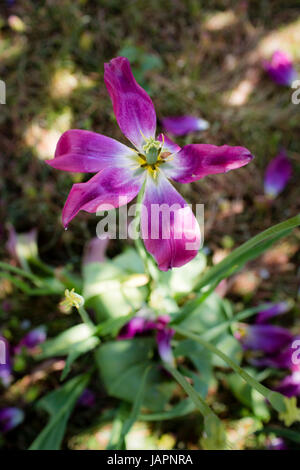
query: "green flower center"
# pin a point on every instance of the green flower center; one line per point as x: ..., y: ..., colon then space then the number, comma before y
x: 152, y: 149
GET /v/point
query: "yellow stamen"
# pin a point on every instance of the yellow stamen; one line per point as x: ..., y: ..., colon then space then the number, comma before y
x: 72, y: 299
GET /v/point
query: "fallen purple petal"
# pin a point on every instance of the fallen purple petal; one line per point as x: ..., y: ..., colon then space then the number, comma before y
x: 277, y: 175
x: 272, y: 311
x: 280, y: 69
x: 10, y: 418
x: 182, y: 125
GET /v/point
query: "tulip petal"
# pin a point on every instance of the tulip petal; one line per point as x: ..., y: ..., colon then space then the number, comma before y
x: 136, y: 326
x: 169, y: 146
x: 133, y: 107
x: 168, y: 227
x: 290, y: 385
x: 267, y: 338
x: 163, y: 338
x: 10, y: 418
x: 272, y: 311
x: 32, y: 339
x: 278, y: 173
x: 5, y: 363
x: 87, y: 398
x: 112, y: 187
x: 182, y: 125
x: 95, y: 250
x: 195, y: 161
x: 280, y: 69
x: 87, y: 152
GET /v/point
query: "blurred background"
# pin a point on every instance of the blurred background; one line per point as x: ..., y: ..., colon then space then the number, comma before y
x: 202, y: 58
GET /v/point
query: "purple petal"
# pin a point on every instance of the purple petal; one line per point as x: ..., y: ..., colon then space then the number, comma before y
x: 288, y: 358
x: 290, y: 385
x: 95, y: 250
x: 137, y: 325
x: 33, y: 339
x: 272, y: 311
x: 87, y: 398
x: 168, y: 227
x: 163, y: 339
x: 277, y: 175
x: 5, y: 363
x: 169, y: 145
x: 112, y: 187
x: 10, y: 418
x: 182, y: 125
x: 133, y: 107
x: 280, y: 69
x: 267, y: 338
x: 276, y: 443
x: 87, y: 152
x: 162, y: 321
x: 195, y: 161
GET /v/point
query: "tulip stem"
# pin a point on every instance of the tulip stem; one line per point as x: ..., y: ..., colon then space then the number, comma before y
x: 85, y: 316
x: 148, y: 263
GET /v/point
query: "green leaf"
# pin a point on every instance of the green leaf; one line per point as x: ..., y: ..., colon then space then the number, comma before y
x: 181, y: 281
x: 130, y: 262
x: 248, y: 396
x: 59, y: 404
x: 122, y: 365
x: 202, y: 360
x: 105, y: 291
x: 61, y: 345
x: 77, y: 350
x: 293, y: 436
x: 182, y: 408
x: 209, y: 315
x: 133, y: 416
x: 249, y: 250
x: 113, y: 325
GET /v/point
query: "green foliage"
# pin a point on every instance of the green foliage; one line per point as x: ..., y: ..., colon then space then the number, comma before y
x: 59, y: 404
x: 67, y: 341
x: 122, y: 365
x: 249, y: 396
x: 107, y: 289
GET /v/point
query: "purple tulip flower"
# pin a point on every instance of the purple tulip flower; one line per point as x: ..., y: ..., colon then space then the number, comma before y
x: 32, y: 339
x: 95, y: 250
x: 272, y: 311
x: 182, y: 125
x: 87, y: 399
x: 121, y: 171
x: 277, y: 175
x: 140, y: 325
x: 10, y: 418
x: 5, y: 363
x: 266, y: 338
x: 280, y: 69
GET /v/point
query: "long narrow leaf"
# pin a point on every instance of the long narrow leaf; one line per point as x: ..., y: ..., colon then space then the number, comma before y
x: 59, y: 404
x: 249, y: 250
